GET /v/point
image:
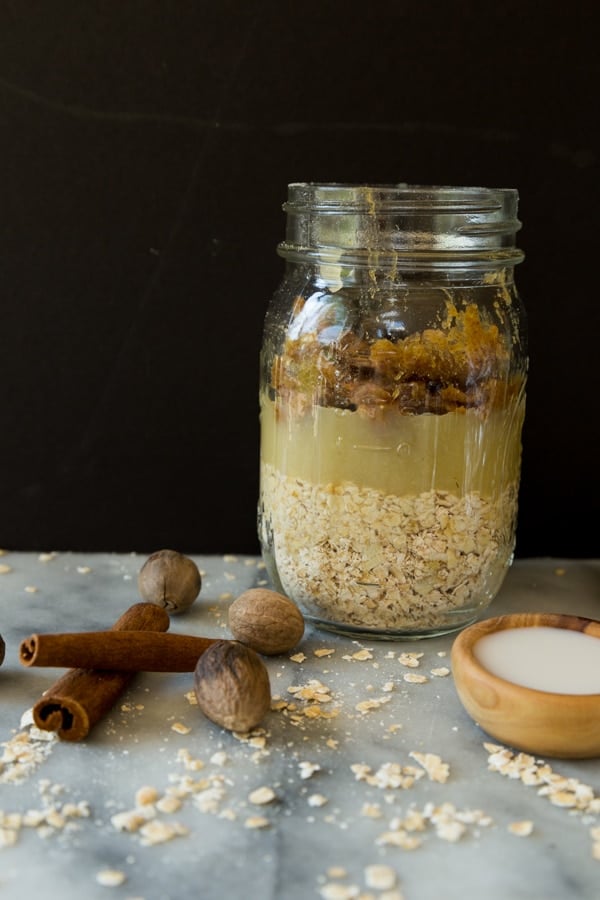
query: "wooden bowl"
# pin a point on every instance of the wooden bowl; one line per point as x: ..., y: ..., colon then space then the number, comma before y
x: 540, y: 722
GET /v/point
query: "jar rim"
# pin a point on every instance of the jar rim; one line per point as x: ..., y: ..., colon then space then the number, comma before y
x: 403, y: 197
x: 435, y: 224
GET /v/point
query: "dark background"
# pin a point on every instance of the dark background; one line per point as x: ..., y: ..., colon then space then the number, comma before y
x: 145, y: 152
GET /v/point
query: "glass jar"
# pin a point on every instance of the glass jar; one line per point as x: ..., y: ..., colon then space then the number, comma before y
x: 392, y: 397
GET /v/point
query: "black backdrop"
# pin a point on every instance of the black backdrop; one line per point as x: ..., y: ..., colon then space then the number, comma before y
x: 145, y: 152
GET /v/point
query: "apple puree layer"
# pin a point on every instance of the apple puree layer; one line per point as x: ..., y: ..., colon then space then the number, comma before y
x: 459, y: 452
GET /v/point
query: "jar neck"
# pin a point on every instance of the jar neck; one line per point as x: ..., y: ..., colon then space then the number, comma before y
x: 401, y: 227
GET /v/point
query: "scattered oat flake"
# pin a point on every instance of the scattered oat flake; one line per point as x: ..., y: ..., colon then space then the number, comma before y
x: 412, y: 660
x: 569, y: 793
x: 168, y: 804
x: 226, y: 595
x: 262, y: 796
x: 191, y: 698
x: 110, y: 877
x: 380, y: 877
x: 388, y: 687
x: 560, y: 571
x: 521, y: 829
x: 317, y: 800
x: 84, y: 570
x: 256, y: 822
x: 366, y: 706
x: 219, y: 758
x: 415, y: 679
x: 335, y: 891
x: 308, y: 769
x: 440, y: 672
x: 4, y: 569
x: 450, y: 831
x: 362, y: 655
x: 399, y: 838
x: 180, y: 728
x: 146, y: 795
x: 436, y: 769
x: 371, y: 810
x: 155, y: 832
x: 323, y: 651
x: 298, y: 657
x: 31, y: 589
x: 313, y: 690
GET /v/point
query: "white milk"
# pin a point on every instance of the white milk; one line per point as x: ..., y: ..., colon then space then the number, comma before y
x: 544, y: 658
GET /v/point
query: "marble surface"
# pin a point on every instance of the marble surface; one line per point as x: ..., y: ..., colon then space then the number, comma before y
x: 330, y: 821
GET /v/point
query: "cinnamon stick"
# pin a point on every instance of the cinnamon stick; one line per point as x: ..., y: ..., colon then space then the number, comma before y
x: 127, y: 651
x: 79, y: 699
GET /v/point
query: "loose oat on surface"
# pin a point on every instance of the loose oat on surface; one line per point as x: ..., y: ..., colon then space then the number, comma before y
x: 262, y: 795
x: 380, y: 876
x: 521, y: 829
x: 110, y: 877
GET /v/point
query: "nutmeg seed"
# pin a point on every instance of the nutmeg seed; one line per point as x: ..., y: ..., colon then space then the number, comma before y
x: 265, y: 620
x: 232, y: 686
x: 169, y: 579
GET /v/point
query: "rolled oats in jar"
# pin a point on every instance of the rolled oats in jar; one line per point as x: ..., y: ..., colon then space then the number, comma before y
x: 392, y: 397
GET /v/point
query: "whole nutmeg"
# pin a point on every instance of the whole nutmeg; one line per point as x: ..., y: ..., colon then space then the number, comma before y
x: 232, y: 686
x: 169, y: 579
x: 265, y: 620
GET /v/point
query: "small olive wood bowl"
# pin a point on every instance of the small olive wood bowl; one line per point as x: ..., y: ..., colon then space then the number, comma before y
x: 540, y: 722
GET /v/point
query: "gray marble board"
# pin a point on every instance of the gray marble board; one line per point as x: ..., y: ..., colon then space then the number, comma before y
x: 161, y: 804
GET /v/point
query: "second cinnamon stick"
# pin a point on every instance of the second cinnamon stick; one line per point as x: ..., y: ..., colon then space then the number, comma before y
x: 127, y: 651
x: 73, y: 705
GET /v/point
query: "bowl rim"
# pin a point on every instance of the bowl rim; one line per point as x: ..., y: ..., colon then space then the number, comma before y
x: 463, y: 650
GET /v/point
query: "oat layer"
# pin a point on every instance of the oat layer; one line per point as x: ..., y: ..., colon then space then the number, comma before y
x: 361, y: 558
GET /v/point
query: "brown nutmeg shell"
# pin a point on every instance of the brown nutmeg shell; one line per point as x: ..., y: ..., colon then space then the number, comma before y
x: 232, y: 686
x: 265, y: 620
x: 169, y: 579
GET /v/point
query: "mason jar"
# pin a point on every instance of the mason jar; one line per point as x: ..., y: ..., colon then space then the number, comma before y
x: 392, y: 396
